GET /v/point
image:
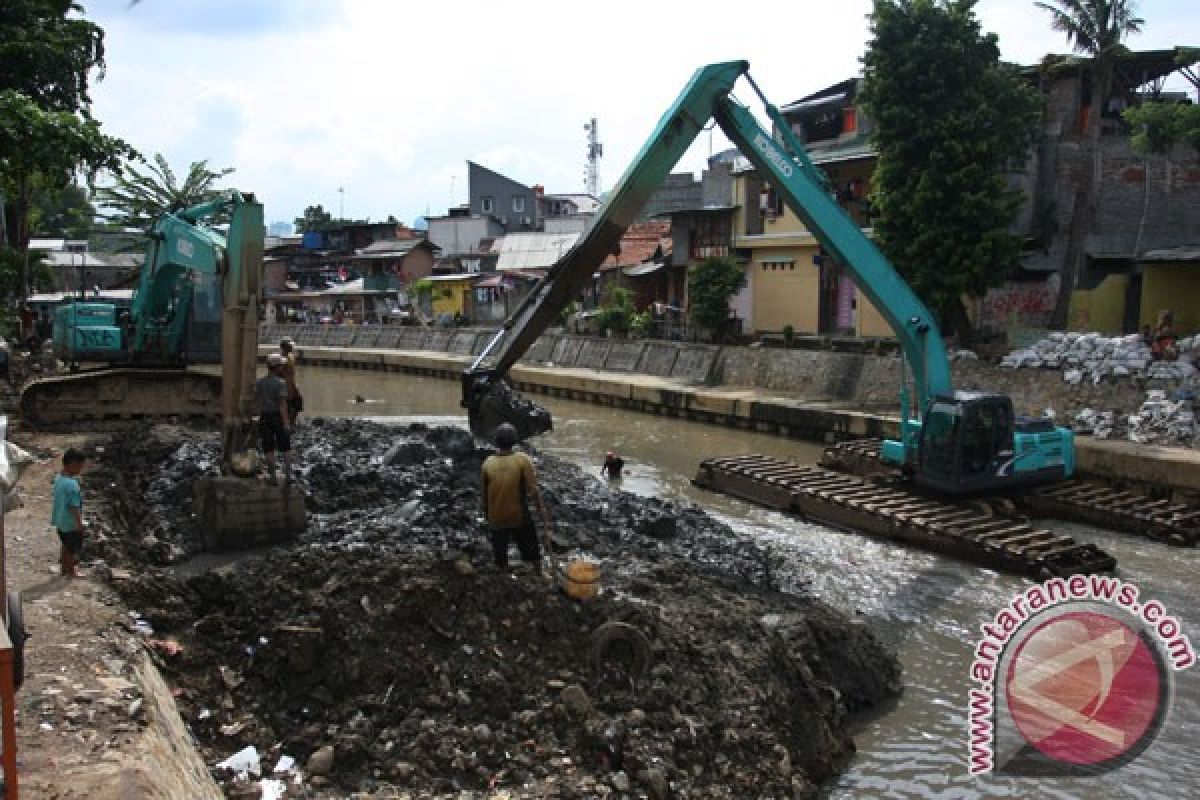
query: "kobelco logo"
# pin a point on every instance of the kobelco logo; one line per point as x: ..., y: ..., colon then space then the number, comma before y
x: 777, y: 158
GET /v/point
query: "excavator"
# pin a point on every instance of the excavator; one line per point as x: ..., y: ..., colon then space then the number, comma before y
x: 958, y: 443
x: 197, y: 301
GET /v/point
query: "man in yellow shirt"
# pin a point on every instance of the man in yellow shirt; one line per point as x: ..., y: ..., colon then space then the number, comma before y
x: 507, y: 483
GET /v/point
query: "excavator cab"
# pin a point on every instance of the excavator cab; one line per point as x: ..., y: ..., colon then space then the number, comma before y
x: 973, y: 442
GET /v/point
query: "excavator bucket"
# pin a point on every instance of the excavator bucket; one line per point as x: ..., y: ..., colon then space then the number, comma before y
x: 238, y: 513
x: 495, y: 402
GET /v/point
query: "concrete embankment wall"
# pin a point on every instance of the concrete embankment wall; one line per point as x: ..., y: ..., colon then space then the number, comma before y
x: 815, y: 395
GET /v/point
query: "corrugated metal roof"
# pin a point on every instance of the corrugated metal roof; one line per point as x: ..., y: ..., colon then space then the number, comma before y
x: 643, y: 269
x: 1184, y: 253
x: 533, y: 250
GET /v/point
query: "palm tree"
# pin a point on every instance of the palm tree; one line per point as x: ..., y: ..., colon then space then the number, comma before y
x: 136, y: 198
x: 1095, y: 28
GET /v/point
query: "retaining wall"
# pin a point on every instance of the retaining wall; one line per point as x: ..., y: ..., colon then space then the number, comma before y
x: 852, y: 380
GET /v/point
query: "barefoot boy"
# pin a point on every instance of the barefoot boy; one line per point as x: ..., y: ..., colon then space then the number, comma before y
x: 67, y: 515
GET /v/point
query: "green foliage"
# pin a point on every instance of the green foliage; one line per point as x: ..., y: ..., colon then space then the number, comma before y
x: 48, y: 52
x: 710, y: 285
x: 639, y: 323
x: 1157, y: 126
x: 316, y: 218
x: 1095, y: 27
x: 616, y: 310
x: 950, y: 121
x: 61, y: 212
x: 138, y: 198
x: 422, y: 286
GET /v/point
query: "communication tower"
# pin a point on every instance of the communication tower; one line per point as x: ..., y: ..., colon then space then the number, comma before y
x: 591, y: 174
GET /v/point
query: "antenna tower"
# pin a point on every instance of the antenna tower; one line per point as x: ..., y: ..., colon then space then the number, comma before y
x: 591, y: 174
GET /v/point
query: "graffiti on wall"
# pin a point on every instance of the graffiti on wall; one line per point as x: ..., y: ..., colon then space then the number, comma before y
x: 1021, y: 303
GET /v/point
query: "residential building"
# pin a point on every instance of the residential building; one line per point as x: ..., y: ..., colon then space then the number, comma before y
x: 514, y: 205
x: 464, y: 240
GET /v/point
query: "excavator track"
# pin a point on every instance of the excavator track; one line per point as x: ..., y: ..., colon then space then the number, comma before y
x: 1073, y: 500
x: 111, y: 397
x: 846, y: 501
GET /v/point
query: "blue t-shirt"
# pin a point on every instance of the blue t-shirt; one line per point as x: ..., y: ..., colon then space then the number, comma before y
x: 66, y: 497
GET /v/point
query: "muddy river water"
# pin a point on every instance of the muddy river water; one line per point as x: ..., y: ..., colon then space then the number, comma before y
x: 927, y: 607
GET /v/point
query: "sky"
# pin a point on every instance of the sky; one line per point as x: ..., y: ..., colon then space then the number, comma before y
x: 373, y: 107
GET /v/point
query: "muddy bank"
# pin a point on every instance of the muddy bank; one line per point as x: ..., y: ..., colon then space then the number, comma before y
x: 381, y: 650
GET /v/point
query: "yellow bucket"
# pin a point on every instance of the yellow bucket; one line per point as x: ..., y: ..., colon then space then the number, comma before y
x: 582, y: 579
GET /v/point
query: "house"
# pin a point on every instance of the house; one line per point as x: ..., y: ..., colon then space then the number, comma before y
x: 391, y: 262
x: 464, y: 240
x: 1145, y: 203
x: 641, y: 264
x: 513, y: 204
x: 521, y: 251
x: 75, y: 265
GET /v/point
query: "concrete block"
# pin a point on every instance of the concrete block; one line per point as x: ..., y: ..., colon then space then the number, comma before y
x: 437, y: 341
x: 695, y: 363
x: 463, y: 342
x: 543, y: 349
x: 411, y: 339
x: 658, y: 358
x: 566, y: 353
x: 593, y: 353
x: 624, y: 356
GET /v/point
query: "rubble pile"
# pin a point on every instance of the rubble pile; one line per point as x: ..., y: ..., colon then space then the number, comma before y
x: 381, y: 651
x: 1095, y: 357
x: 1160, y: 421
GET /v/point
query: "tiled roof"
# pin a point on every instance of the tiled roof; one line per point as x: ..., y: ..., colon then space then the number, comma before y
x: 640, y: 243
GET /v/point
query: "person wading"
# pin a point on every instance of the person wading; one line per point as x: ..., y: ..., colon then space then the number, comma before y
x: 507, y: 483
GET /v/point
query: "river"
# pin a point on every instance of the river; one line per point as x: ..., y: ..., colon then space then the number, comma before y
x: 928, y: 607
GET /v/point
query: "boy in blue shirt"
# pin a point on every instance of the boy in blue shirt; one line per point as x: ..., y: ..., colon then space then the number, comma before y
x: 67, y: 513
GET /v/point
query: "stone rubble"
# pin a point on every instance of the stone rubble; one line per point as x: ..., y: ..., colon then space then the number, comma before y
x: 1159, y: 421
x: 1096, y: 357
x: 383, y: 652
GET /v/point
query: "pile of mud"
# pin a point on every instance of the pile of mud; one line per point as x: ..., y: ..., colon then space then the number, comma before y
x: 383, y: 642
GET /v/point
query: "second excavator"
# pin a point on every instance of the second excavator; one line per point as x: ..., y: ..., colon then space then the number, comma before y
x: 197, y: 301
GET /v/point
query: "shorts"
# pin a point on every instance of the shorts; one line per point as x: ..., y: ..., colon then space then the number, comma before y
x: 72, y: 541
x: 273, y: 435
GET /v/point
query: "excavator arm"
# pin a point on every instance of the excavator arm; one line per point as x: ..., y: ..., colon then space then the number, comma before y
x: 803, y: 188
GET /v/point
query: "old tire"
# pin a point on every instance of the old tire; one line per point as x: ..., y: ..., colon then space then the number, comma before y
x: 17, y: 635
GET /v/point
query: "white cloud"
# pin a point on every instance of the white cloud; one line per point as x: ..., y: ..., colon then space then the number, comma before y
x: 389, y: 100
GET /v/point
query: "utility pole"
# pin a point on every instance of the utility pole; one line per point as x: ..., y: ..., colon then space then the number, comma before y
x: 341, y: 202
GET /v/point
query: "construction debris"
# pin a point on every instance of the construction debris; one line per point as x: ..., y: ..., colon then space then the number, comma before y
x: 1098, y: 357
x: 1159, y: 421
x: 368, y: 653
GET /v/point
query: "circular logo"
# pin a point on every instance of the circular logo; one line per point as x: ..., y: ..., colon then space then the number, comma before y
x: 1085, y: 689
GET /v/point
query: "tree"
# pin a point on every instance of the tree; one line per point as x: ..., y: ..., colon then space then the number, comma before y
x: 1095, y: 28
x: 710, y: 285
x: 138, y: 198
x: 950, y: 120
x: 1158, y: 127
x: 62, y: 212
x: 47, y: 134
x: 315, y: 218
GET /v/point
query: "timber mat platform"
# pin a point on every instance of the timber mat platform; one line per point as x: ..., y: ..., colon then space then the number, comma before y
x: 1173, y: 469
x: 1073, y: 500
x: 966, y: 531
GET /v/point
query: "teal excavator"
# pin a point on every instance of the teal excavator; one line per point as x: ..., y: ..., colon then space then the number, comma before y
x: 958, y: 443
x: 197, y: 301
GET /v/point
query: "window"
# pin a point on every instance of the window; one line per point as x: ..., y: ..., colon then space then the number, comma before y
x: 487, y: 205
x: 518, y: 204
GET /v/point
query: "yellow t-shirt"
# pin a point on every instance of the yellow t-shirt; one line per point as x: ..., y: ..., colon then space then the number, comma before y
x: 507, y: 482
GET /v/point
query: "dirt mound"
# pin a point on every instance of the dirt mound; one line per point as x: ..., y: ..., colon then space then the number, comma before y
x: 383, y: 638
